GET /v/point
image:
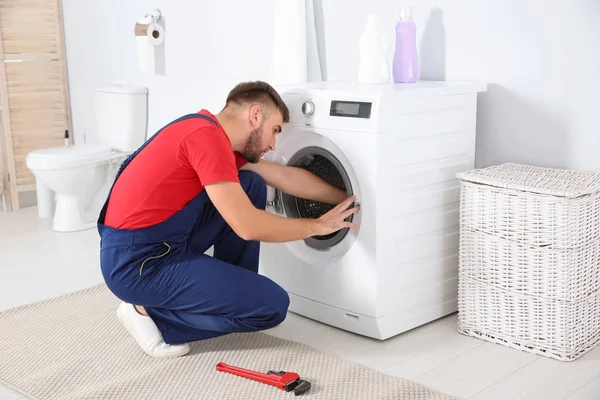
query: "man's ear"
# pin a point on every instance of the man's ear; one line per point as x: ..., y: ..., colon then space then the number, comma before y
x: 255, y: 116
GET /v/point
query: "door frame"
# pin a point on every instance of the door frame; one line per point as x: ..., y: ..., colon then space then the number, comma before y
x: 292, y: 141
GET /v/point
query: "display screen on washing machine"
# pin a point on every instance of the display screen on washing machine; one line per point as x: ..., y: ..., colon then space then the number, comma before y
x: 353, y: 109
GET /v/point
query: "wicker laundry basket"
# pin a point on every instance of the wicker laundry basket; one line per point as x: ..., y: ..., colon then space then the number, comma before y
x: 529, y: 273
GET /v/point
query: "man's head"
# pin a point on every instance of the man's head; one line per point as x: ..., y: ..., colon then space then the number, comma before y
x: 261, y: 112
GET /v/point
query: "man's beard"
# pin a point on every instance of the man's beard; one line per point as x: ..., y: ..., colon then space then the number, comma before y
x: 253, y: 150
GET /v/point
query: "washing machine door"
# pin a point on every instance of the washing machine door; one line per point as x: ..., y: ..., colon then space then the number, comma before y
x: 319, y: 155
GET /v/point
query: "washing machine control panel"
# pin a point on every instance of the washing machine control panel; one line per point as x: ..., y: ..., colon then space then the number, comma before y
x: 353, y: 112
x: 341, y: 108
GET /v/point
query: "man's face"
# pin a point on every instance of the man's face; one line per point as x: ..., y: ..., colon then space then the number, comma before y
x: 262, y: 138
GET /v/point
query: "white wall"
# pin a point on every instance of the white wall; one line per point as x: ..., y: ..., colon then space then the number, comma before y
x: 210, y: 46
x: 541, y: 60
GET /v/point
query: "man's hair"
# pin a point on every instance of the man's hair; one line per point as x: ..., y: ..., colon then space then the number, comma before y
x: 258, y: 92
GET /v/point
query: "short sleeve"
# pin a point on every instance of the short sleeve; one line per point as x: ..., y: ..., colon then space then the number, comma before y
x: 208, y: 151
x: 239, y: 160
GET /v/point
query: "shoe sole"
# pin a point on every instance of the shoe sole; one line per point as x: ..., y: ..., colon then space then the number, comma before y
x: 133, y: 332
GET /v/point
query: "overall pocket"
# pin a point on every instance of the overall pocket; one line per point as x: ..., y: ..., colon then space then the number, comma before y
x: 162, y: 252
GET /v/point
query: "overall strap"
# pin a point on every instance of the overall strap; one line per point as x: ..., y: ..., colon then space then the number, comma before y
x: 134, y: 154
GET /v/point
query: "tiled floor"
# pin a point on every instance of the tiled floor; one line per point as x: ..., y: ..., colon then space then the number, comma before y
x: 37, y: 263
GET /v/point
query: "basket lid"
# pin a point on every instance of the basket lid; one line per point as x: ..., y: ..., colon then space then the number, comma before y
x: 529, y: 178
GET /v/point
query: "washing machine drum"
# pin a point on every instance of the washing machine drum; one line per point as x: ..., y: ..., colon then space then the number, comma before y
x: 326, y: 166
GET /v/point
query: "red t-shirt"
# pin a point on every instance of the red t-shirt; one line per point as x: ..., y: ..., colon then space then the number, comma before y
x: 171, y: 171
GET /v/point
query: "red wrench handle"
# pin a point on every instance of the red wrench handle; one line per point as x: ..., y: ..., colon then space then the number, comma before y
x: 280, y: 381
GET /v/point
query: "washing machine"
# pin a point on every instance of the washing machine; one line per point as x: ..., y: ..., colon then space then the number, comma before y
x: 398, y: 148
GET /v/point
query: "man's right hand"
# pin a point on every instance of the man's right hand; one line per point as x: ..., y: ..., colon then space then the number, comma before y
x: 335, y: 219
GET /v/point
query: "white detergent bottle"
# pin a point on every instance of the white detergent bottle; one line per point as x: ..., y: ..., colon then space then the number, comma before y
x: 373, y: 67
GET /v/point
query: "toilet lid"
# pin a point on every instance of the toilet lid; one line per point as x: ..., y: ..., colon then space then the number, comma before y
x: 68, y: 156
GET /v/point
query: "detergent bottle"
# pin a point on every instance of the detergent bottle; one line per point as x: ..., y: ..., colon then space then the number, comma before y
x: 373, y: 67
x: 405, y: 68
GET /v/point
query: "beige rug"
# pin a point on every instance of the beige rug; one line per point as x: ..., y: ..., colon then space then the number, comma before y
x: 73, y: 347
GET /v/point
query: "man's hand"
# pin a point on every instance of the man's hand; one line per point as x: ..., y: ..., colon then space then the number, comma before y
x: 334, y: 220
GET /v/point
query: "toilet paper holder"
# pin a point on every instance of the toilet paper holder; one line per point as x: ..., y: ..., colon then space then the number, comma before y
x: 150, y: 38
x: 155, y: 15
x: 149, y: 26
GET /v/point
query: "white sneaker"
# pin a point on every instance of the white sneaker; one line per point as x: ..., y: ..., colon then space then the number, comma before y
x: 146, y: 333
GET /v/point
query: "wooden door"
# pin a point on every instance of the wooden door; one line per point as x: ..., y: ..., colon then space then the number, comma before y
x: 33, y: 88
x: 4, y: 184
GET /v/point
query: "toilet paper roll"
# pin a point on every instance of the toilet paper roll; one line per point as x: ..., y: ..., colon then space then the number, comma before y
x: 148, y: 36
x: 155, y: 34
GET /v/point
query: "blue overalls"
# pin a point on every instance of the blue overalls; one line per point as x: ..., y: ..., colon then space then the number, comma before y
x: 189, y: 295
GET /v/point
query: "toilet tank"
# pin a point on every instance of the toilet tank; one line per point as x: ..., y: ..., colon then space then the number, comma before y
x: 121, y: 116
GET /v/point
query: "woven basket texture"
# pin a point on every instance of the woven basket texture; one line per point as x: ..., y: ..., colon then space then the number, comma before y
x: 529, y: 273
x: 532, y: 205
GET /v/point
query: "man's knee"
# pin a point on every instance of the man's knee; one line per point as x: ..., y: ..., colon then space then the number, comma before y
x: 281, y: 303
x: 255, y: 187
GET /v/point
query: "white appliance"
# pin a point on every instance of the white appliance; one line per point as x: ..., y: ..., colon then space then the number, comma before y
x: 72, y: 182
x: 398, y: 148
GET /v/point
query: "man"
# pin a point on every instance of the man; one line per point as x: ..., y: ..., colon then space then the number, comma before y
x: 201, y: 182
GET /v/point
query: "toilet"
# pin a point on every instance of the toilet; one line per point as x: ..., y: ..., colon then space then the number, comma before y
x: 72, y: 182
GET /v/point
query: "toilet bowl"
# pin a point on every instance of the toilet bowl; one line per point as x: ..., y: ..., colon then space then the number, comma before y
x: 72, y: 182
